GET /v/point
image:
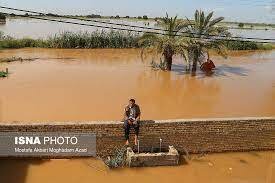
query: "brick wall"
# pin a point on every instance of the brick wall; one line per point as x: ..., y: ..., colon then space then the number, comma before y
x: 196, y: 135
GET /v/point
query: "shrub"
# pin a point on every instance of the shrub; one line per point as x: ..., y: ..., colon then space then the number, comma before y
x: 118, y: 159
x: 93, y: 16
x: 247, y: 45
x: 2, y: 16
x: 3, y: 74
x: 241, y: 25
x: 145, y: 17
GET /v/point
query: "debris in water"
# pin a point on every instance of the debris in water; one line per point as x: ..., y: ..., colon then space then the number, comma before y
x: 118, y: 159
x: 4, y: 73
x: 210, y: 164
x: 13, y: 59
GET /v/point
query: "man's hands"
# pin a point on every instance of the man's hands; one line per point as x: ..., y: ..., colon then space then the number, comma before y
x: 131, y: 122
x: 135, y: 122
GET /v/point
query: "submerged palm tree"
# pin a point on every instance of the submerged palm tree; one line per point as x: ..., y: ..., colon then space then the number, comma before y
x: 166, y: 44
x: 203, y: 35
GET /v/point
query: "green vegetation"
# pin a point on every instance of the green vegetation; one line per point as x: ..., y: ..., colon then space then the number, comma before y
x: 112, y: 39
x: 254, y: 24
x: 191, y: 47
x: 2, y: 16
x: 52, y: 15
x: 21, y: 43
x: 248, y: 45
x: 145, y: 17
x: 106, y: 40
x: 93, y: 16
x: 167, y: 44
x: 118, y: 159
x: 241, y: 25
x: 195, y: 45
x: 200, y: 43
x: 4, y: 74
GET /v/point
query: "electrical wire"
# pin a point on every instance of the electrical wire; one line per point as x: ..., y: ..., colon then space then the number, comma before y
x: 244, y: 39
x: 132, y: 26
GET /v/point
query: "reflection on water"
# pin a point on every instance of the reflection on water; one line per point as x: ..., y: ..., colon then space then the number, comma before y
x: 67, y: 85
x: 252, y: 167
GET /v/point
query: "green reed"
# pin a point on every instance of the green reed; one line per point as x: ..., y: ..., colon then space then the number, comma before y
x: 103, y: 39
x: 112, y: 39
x: 248, y: 45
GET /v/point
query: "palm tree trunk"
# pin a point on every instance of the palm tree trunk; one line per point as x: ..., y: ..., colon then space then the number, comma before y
x: 194, y: 67
x: 168, y: 61
x: 195, y: 62
x: 168, y: 58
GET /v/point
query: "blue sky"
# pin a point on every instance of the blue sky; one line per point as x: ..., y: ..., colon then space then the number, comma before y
x: 232, y: 10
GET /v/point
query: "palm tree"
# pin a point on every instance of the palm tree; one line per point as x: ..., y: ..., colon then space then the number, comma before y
x: 167, y: 43
x: 203, y: 35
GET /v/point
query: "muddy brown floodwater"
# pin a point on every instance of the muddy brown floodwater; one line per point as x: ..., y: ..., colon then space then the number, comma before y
x: 66, y: 85
x: 250, y: 167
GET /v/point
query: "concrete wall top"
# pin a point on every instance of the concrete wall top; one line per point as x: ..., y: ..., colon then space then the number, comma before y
x: 192, y: 120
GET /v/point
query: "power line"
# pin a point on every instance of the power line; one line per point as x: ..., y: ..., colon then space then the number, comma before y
x: 140, y: 27
x: 91, y: 25
x: 138, y: 31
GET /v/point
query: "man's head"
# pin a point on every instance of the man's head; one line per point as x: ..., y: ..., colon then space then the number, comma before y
x: 132, y: 102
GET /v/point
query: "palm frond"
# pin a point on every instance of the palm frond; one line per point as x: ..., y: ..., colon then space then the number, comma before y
x: 215, y: 21
x: 148, y: 39
x: 208, y: 18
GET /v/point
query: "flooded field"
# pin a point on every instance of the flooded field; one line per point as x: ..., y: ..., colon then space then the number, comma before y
x: 20, y: 27
x: 95, y: 84
x: 250, y: 167
x: 23, y: 27
x: 73, y: 85
x: 61, y: 85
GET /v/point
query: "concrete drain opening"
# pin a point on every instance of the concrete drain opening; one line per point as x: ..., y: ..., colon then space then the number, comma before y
x: 169, y: 157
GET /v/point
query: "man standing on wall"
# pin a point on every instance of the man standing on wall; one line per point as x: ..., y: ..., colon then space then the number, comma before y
x: 131, y: 119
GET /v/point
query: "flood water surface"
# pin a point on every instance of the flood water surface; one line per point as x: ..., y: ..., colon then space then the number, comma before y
x: 31, y: 28
x: 66, y: 85
x: 250, y: 167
